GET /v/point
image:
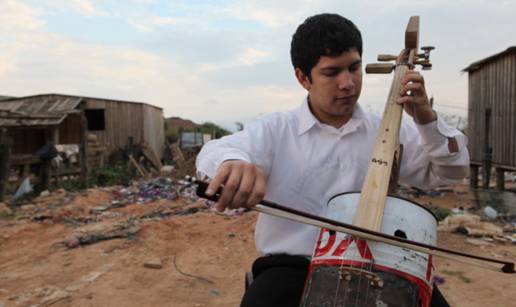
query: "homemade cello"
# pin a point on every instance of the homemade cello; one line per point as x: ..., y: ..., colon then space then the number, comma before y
x: 369, y: 269
x: 349, y: 271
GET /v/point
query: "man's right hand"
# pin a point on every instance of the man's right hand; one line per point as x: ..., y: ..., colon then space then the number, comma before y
x: 244, y: 183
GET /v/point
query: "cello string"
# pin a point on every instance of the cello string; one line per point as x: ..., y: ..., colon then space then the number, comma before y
x: 370, y: 265
x: 357, y: 297
x: 339, y: 277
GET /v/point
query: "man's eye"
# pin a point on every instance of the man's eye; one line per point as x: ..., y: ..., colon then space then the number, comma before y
x: 331, y: 73
x: 354, y: 68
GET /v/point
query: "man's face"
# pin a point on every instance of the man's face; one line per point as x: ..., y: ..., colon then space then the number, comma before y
x: 335, y: 87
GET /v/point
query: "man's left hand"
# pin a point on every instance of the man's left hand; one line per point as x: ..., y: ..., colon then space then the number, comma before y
x: 416, y: 104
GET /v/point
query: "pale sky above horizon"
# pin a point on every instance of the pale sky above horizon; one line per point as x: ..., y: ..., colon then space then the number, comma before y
x: 226, y: 61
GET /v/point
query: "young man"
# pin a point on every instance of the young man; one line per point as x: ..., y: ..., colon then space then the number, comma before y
x: 304, y: 157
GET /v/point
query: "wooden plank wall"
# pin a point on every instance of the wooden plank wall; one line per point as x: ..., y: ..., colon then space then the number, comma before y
x: 26, y: 141
x: 122, y: 120
x: 125, y: 119
x: 493, y: 86
x: 69, y: 130
x: 154, y: 128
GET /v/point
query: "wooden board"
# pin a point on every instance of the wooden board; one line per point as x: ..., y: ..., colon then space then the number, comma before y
x: 412, y: 33
x: 376, y: 185
x: 374, y: 191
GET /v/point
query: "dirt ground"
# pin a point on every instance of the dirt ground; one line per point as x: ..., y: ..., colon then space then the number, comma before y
x: 175, y: 253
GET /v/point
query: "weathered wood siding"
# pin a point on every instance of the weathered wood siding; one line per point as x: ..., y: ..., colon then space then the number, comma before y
x: 123, y: 119
x: 26, y: 141
x: 493, y: 86
x: 69, y: 130
x: 140, y: 121
x: 154, y: 129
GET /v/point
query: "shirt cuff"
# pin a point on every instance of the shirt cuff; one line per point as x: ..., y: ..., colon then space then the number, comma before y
x: 437, y: 131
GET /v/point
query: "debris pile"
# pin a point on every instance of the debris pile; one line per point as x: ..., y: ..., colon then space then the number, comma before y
x: 473, y: 226
x: 146, y: 191
x: 104, y: 213
x: 105, y: 230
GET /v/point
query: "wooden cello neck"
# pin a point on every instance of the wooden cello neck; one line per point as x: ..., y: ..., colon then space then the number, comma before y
x: 376, y: 185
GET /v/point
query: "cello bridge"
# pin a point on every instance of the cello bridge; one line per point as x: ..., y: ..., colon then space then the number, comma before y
x: 348, y: 273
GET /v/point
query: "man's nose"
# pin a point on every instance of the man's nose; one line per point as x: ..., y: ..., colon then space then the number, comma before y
x: 346, y: 81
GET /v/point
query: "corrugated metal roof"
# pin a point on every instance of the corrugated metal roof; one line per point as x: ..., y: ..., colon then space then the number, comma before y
x: 49, y: 110
x: 476, y: 65
x: 87, y: 98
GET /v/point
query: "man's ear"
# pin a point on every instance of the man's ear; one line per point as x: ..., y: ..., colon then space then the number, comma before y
x: 303, y: 79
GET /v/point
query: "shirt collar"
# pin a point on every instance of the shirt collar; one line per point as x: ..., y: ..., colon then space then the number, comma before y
x: 307, y: 119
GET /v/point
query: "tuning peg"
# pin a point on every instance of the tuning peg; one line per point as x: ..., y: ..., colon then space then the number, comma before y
x: 386, y: 57
x: 425, y: 64
x: 426, y: 52
x: 379, y: 68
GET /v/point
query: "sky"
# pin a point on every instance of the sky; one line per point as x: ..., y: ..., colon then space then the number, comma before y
x: 228, y: 61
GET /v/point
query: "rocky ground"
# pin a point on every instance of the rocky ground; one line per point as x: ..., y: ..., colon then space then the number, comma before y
x: 149, y: 245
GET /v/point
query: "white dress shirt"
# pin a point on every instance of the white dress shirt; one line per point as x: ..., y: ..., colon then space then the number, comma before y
x: 307, y: 162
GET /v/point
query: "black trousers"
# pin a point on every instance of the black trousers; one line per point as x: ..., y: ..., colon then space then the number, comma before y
x: 279, y: 281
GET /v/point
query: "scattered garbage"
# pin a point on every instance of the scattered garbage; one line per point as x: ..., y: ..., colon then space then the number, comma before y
x: 458, y: 274
x: 102, y: 231
x: 478, y: 242
x: 490, y: 212
x: 154, y: 189
x: 25, y: 187
x: 458, y: 210
x: 215, y: 291
x: 471, y: 225
x: 439, y: 280
x: 166, y: 170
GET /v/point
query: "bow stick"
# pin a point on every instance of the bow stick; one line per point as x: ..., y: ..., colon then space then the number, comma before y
x: 277, y: 210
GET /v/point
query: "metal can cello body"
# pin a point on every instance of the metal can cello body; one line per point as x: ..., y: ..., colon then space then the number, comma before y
x: 349, y: 271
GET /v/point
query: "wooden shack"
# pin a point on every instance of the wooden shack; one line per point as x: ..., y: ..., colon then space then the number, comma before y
x: 492, y: 116
x: 34, y: 121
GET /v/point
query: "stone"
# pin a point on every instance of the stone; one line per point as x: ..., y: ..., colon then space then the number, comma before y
x: 44, y: 193
x: 155, y: 263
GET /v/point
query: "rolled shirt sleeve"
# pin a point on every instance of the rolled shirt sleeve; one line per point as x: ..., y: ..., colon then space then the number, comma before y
x: 427, y: 160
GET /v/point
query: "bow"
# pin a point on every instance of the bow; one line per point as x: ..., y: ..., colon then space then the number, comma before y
x: 277, y: 210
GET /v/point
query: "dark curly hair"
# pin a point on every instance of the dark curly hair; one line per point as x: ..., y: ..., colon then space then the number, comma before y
x: 323, y: 35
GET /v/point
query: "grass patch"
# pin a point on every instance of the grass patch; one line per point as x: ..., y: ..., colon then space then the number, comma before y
x: 108, y: 175
x: 440, y: 213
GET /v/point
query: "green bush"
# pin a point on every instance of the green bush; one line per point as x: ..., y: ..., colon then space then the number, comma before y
x: 109, y: 175
x: 440, y: 213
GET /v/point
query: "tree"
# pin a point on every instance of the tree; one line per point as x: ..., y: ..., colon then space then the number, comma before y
x: 213, y: 129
